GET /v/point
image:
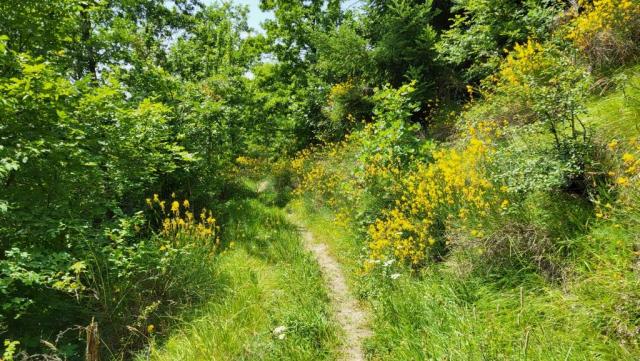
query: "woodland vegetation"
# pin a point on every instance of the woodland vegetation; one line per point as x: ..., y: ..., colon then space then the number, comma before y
x: 474, y: 165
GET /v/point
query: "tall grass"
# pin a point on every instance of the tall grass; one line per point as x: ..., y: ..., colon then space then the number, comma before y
x: 449, y: 312
x: 274, y: 305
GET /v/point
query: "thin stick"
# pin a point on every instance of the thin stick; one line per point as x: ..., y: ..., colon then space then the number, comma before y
x: 93, y: 342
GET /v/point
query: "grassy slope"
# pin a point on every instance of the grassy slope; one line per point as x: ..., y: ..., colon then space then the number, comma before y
x: 446, y: 313
x: 271, y: 282
x: 439, y: 315
x: 442, y: 314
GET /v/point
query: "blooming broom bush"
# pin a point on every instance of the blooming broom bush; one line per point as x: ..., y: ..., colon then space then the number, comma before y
x: 365, y: 168
x: 543, y: 89
x: 451, y: 190
x: 541, y: 85
x: 607, y: 32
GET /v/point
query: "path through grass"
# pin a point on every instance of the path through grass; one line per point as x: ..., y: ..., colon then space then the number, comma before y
x: 349, y: 313
x: 274, y: 306
x: 438, y: 314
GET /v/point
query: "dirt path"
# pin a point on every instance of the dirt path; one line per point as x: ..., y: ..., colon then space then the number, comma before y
x: 351, y: 317
x: 262, y: 186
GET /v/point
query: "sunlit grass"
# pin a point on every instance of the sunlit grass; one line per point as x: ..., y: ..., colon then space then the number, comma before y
x: 272, y: 282
x: 442, y: 313
x: 460, y: 310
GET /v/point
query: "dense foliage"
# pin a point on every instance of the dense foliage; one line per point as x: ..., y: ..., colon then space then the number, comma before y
x: 104, y: 104
x: 447, y: 134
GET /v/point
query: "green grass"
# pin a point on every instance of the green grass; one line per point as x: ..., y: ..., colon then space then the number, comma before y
x: 617, y: 114
x: 459, y: 310
x: 446, y: 314
x: 343, y: 244
x: 456, y: 310
x: 270, y: 282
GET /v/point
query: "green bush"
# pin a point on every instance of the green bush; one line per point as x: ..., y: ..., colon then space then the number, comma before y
x: 482, y: 29
x: 347, y: 107
x: 77, y: 161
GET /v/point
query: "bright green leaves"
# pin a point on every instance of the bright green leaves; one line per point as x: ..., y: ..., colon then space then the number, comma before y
x: 342, y: 53
x: 3, y: 43
x: 217, y: 44
x: 73, y: 154
x: 101, y: 104
x: 483, y: 28
x: 391, y: 138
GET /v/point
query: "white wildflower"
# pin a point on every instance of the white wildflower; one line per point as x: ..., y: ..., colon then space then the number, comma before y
x: 280, y: 332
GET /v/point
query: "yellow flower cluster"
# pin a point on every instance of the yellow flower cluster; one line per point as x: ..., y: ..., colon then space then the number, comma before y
x: 302, y: 158
x: 379, y: 170
x: 324, y: 176
x: 629, y: 174
x: 625, y: 176
x: 181, y: 226
x: 245, y: 161
x: 339, y: 90
x: 607, y: 30
x: 250, y: 166
x: 603, y: 16
x: 324, y: 179
x: 452, y: 187
x: 522, y: 60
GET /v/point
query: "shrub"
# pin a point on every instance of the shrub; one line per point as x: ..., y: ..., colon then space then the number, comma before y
x: 137, y: 277
x: 607, y: 32
x: 347, y: 105
x: 75, y: 161
x: 450, y: 191
x: 541, y: 87
x: 129, y: 278
x: 546, y: 87
x: 324, y: 175
x: 365, y: 168
x: 482, y: 28
x: 525, y: 166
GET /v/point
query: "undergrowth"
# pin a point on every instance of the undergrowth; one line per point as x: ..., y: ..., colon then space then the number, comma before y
x: 273, y: 304
x: 515, y: 240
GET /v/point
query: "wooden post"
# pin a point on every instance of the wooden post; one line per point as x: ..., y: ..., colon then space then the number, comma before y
x: 93, y: 342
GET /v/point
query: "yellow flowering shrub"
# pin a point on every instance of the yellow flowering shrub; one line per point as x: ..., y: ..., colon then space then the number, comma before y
x: 252, y: 167
x: 339, y: 90
x: 341, y: 174
x: 454, y: 187
x: 377, y: 170
x: 607, y: 31
x: 524, y: 59
x: 540, y: 85
x: 322, y: 176
x: 537, y: 83
x: 347, y: 104
x: 366, y: 168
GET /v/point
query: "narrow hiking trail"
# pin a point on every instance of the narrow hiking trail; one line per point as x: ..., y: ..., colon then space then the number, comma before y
x: 351, y: 317
x: 349, y: 314
x: 272, y: 301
